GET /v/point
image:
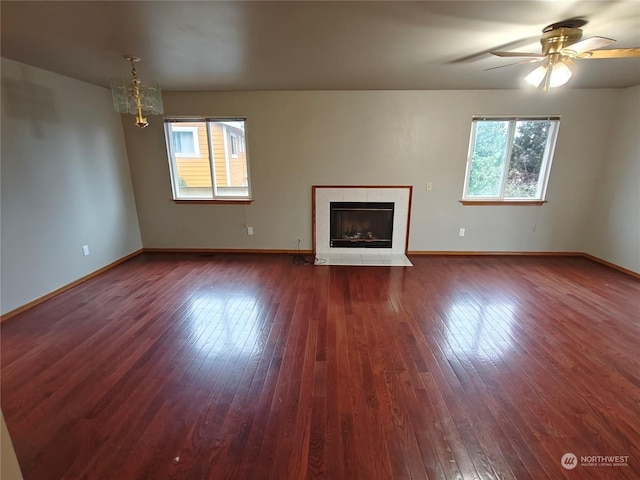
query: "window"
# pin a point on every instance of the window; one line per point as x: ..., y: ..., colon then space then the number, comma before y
x: 205, y: 160
x: 234, y: 145
x: 509, y: 159
x: 185, y: 141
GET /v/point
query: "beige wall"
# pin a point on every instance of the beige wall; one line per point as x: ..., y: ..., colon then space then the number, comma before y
x: 613, y: 223
x: 298, y: 139
x: 9, y: 468
x: 65, y: 183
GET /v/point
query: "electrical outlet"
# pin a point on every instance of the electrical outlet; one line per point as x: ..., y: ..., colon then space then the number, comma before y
x: 249, y: 230
x: 85, y: 250
x: 462, y: 232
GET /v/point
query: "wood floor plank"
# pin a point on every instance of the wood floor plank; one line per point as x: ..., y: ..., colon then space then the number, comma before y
x: 246, y: 366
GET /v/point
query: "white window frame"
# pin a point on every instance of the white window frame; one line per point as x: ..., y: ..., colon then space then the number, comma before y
x: 196, y: 142
x: 233, y: 142
x: 172, y: 124
x: 545, y: 167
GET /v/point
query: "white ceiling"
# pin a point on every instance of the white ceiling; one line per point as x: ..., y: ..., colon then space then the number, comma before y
x: 265, y: 45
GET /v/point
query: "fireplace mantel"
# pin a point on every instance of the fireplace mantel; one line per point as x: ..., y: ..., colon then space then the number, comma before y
x: 323, y: 195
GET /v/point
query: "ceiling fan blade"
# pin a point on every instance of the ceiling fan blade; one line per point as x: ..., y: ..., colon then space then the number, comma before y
x: 517, y: 54
x: 532, y: 60
x: 611, y: 53
x: 505, y: 46
x: 586, y: 45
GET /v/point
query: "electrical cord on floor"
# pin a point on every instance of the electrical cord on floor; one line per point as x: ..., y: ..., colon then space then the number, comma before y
x: 300, y: 259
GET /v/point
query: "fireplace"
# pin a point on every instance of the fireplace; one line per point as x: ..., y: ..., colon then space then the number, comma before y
x: 361, y: 224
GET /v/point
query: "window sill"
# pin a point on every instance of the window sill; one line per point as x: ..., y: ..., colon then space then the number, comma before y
x: 226, y: 201
x: 502, y: 202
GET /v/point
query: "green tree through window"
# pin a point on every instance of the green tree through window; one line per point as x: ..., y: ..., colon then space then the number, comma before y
x: 488, y: 159
x: 510, y: 158
x: 529, y: 145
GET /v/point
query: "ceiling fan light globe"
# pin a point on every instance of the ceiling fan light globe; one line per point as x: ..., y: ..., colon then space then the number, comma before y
x: 560, y: 75
x: 536, y: 77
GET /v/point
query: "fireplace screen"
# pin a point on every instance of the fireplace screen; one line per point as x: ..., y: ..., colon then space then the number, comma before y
x: 361, y: 224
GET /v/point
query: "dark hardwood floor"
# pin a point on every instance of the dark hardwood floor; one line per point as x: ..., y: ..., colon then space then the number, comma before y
x: 250, y: 367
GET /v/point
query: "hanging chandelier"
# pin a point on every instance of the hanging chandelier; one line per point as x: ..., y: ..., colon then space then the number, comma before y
x: 136, y: 98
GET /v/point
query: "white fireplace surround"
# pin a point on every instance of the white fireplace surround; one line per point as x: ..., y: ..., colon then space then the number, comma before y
x: 400, y: 196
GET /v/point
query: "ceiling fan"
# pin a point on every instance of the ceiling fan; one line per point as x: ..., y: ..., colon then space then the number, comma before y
x: 561, y: 45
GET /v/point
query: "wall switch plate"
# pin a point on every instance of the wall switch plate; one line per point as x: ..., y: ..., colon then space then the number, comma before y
x: 428, y: 185
x: 85, y: 250
x: 249, y: 230
x: 462, y: 232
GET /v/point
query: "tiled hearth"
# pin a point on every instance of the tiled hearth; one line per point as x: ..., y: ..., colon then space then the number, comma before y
x: 394, y: 256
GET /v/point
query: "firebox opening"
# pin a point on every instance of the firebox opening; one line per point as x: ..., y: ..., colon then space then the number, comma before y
x: 361, y: 224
